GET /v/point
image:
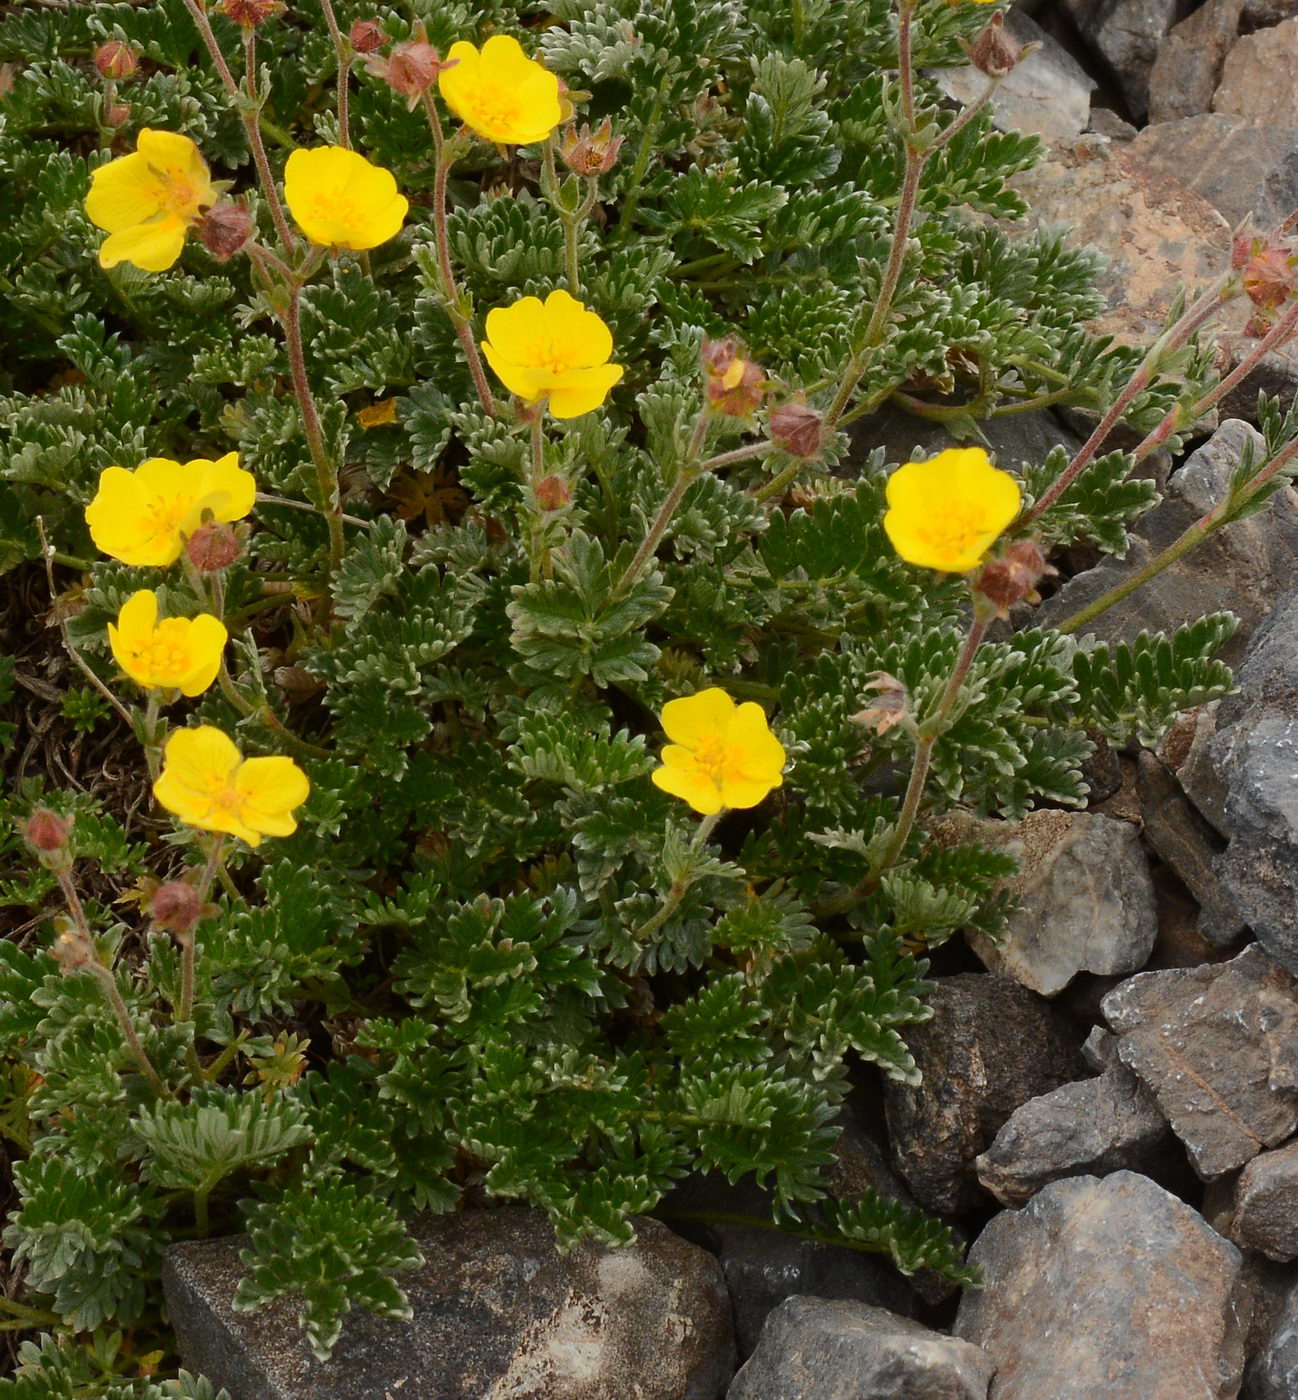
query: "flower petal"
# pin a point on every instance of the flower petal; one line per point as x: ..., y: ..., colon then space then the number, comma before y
x: 691, y: 784
x: 694, y: 719
x: 123, y: 193
x: 223, y: 487
x: 206, y: 641
x: 152, y: 247
x: 269, y: 790
x: 582, y: 390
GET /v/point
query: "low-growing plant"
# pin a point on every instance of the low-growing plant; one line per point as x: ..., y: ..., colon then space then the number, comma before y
x: 436, y: 424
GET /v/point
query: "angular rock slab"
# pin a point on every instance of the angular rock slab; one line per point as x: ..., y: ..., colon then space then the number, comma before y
x: 1111, y: 1289
x: 1273, y: 1368
x: 812, y: 1349
x: 1198, y: 1039
x: 1089, y: 1127
x: 499, y: 1314
x: 989, y: 1047
x: 1257, y: 78
x: 1085, y: 900
x: 1188, y: 65
x: 1265, y: 1215
x: 1127, y: 35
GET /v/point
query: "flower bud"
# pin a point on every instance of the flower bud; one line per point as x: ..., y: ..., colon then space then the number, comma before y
x: 72, y: 949
x: 799, y: 430
x: 410, y: 69
x: 366, y: 36
x: 733, y: 385
x: 115, y: 59
x: 590, y: 153
x: 995, y: 53
x: 1012, y: 577
x: 552, y: 493
x: 1268, y: 274
x: 250, y: 13
x: 890, y: 707
x: 176, y: 907
x: 118, y: 114
x: 224, y: 229
x: 212, y: 548
x: 46, y: 831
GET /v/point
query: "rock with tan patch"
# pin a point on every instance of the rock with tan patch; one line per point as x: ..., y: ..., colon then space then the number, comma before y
x: 499, y: 1314
x: 1198, y: 1038
x: 1257, y: 78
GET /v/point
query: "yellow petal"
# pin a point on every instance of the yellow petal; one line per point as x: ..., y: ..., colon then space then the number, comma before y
x: 582, y: 390
x: 269, y: 790
x: 152, y: 247
x: 206, y: 641
x: 223, y: 487
x: 757, y: 752
x: 123, y: 193
x: 695, y: 719
x: 741, y: 792
x: 692, y: 785
x: 570, y: 322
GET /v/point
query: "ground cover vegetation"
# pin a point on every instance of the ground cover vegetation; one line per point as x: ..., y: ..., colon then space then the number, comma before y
x: 429, y: 428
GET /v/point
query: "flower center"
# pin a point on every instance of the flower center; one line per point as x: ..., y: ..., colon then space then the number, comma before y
x: 950, y: 531
x: 334, y: 206
x: 496, y: 107
x: 164, y: 657
x: 712, y: 756
x: 165, y: 513
x: 179, y: 194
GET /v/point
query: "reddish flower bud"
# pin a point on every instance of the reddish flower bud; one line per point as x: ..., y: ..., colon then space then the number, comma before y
x: 1268, y: 275
x: 410, y: 69
x: 116, y: 59
x: 212, y: 548
x: 552, y: 493
x: 224, y: 229
x: 799, y: 430
x: 118, y: 114
x: 1013, y: 576
x: 995, y: 53
x: 590, y: 153
x: 366, y: 36
x: 250, y: 13
x: 733, y: 385
x: 176, y: 907
x: 46, y: 831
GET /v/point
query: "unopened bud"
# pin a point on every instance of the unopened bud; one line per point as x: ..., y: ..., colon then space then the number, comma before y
x: 734, y: 386
x: 1013, y: 576
x: 590, y: 153
x: 366, y: 36
x: 410, y: 69
x: 890, y: 707
x: 212, y: 548
x: 799, y: 430
x: 117, y: 114
x: 116, y: 59
x: 176, y: 907
x: 1268, y: 272
x: 250, y: 13
x: 46, y: 831
x: 224, y: 229
x: 552, y: 493
x: 72, y: 949
x: 995, y: 53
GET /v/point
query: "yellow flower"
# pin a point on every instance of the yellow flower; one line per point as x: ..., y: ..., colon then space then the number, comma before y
x: 501, y: 93
x: 180, y: 653
x: 340, y: 200
x: 555, y: 350
x: 208, y: 783
x: 146, y: 201
x: 143, y: 517
x: 721, y: 754
x: 946, y: 512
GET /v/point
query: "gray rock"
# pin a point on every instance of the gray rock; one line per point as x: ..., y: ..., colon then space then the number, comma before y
x: 1106, y: 1288
x: 1127, y: 35
x: 1088, y: 1128
x: 1279, y: 1021
x: 1273, y: 1368
x: 817, y: 1350
x: 1085, y: 902
x: 1047, y: 94
x: 1186, y: 843
x: 1106, y: 122
x: 499, y: 1314
x: 1013, y: 440
x: 1186, y: 749
x: 1258, y: 14
x: 989, y: 1047
x: 1195, y: 1038
x: 1257, y: 77
x: 1240, y: 569
x: 1242, y: 169
x: 1188, y: 64
x: 1100, y: 1049
x: 1265, y: 1206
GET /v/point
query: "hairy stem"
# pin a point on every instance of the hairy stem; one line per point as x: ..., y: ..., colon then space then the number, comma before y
x: 344, y: 71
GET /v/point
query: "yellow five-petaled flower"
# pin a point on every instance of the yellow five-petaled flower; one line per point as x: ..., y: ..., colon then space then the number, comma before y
x: 721, y: 754
x: 340, y: 200
x: 947, y: 512
x: 208, y: 783
x: 179, y: 653
x: 554, y: 350
x: 143, y: 517
x: 501, y: 93
x: 145, y: 201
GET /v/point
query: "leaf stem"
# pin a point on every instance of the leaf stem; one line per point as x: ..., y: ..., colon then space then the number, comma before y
x: 344, y: 71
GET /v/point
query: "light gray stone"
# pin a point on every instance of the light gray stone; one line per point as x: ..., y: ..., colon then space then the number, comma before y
x: 1257, y: 77
x: 499, y: 1314
x: 1127, y: 35
x: 817, y: 1350
x: 1242, y: 568
x: 989, y: 1047
x: 1106, y: 1288
x: 1188, y: 64
x: 1088, y: 1128
x: 1085, y: 901
x: 1195, y: 1038
x: 1242, y: 169
x: 1265, y: 1206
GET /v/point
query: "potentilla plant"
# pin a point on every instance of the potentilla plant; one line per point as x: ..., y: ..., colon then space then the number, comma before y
x: 435, y: 423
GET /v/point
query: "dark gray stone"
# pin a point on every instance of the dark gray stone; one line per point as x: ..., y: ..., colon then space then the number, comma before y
x: 1188, y: 64
x: 1259, y: 14
x: 1013, y: 440
x: 1127, y: 35
x: 817, y: 1350
x: 1241, y: 168
x: 1240, y: 569
x: 1088, y: 1128
x: 1273, y: 1368
x: 1107, y: 1288
x: 1195, y: 1038
x: 499, y: 1314
x: 1265, y: 1205
x: 989, y: 1047
x: 1084, y: 900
